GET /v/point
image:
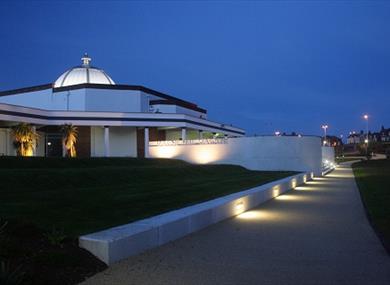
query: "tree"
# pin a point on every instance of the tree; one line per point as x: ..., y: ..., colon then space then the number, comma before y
x: 69, y: 139
x: 25, y: 139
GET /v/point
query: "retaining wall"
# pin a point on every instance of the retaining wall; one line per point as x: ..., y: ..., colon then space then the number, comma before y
x: 121, y: 242
x: 272, y: 153
x: 328, y: 159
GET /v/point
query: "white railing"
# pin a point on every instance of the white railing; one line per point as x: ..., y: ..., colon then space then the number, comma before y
x: 189, y: 142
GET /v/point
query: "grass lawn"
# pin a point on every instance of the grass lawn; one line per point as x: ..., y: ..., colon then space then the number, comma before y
x: 373, y: 179
x: 81, y: 196
x: 78, y: 196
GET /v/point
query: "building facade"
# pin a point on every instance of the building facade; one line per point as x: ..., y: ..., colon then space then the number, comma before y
x: 383, y: 136
x: 112, y: 119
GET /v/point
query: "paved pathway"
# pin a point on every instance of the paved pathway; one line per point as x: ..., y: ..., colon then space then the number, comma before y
x: 318, y: 234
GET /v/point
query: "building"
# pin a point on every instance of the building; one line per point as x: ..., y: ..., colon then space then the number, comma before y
x: 356, y: 138
x: 112, y: 119
x: 332, y: 141
x: 383, y: 136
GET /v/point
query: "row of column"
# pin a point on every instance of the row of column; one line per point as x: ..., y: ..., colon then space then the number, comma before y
x: 184, y: 134
x: 146, y: 139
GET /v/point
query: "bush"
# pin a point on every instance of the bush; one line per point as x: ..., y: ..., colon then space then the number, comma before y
x: 9, y: 275
x: 56, y: 237
x: 2, y: 227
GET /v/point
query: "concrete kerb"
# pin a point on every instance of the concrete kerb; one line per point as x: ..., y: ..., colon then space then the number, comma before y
x: 327, y: 170
x: 120, y: 242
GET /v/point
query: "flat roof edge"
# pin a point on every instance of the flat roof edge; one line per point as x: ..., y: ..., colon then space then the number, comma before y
x: 26, y: 89
x: 50, y: 115
x: 101, y: 86
x: 121, y: 87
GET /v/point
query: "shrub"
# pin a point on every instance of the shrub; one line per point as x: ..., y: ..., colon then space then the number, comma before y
x: 2, y: 227
x: 9, y: 275
x: 55, y: 236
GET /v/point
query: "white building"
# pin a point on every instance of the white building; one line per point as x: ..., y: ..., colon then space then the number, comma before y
x: 112, y: 119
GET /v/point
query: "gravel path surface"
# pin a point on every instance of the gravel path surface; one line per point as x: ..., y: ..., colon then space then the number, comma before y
x: 318, y: 234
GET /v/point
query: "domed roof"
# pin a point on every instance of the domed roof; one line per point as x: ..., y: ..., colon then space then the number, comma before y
x: 83, y: 74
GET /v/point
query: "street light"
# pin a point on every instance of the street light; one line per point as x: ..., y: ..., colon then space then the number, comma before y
x: 365, y: 117
x: 325, y: 127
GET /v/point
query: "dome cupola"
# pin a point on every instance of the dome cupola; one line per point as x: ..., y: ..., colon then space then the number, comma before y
x: 84, y: 73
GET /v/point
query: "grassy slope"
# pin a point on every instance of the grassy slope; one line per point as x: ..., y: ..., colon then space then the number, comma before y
x: 86, y: 195
x: 373, y: 179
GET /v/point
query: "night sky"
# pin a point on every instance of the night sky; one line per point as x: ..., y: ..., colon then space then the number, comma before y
x: 263, y: 66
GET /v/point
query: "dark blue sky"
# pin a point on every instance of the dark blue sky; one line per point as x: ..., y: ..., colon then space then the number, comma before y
x: 263, y: 66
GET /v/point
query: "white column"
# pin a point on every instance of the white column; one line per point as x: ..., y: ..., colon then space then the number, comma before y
x: 63, y: 149
x: 106, y: 141
x: 183, y: 134
x: 34, y: 128
x: 200, y: 134
x: 8, y: 139
x: 146, y: 139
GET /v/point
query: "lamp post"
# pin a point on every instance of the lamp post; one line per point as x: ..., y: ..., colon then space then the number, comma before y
x: 365, y: 117
x: 325, y: 127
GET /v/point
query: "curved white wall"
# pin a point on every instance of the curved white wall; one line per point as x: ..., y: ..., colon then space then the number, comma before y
x: 6, y: 142
x: 256, y: 153
x: 328, y: 158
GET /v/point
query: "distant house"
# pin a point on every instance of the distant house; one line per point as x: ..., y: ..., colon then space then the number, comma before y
x: 382, y: 136
x: 357, y: 138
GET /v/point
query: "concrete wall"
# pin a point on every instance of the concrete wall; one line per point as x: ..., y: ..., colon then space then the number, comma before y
x: 40, y: 147
x: 115, y: 100
x: 45, y: 99
x: 328, y: 158
x: 123, y: 141
x: 6, y: 142
x: 97, y: 141
x: 81, y: 100
x: 328, y: 154
x: 120, y: 242
x: 256, y: 153
x: 93, y: 100
x: 67, y: 100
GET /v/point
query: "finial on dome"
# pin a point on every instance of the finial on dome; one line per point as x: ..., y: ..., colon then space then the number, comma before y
x: 86, y: 59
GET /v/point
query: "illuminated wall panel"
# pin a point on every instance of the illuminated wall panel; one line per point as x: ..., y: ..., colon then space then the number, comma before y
x: 256, y: 153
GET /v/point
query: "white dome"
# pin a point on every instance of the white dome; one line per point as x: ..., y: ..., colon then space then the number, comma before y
x: 83, y: 74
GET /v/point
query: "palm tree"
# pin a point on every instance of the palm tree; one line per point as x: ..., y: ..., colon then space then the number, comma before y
x: 69, y: 139
x: 25, y: 139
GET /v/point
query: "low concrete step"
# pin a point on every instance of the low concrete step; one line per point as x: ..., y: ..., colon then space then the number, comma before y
x: 120, y: 242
